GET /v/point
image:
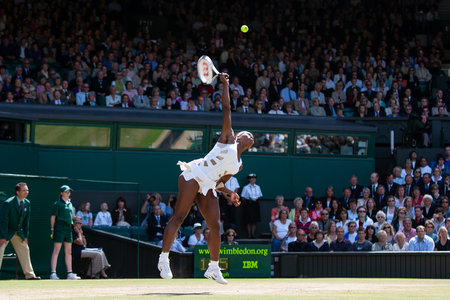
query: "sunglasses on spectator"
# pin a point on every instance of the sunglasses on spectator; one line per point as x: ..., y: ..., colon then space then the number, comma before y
x: 324, y: 214
x: 361, y: 211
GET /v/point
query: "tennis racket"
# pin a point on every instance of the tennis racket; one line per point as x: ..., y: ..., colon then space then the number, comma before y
x: 206, y: 70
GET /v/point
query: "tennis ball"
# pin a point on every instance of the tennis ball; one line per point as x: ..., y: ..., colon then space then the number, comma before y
x: 244, y: 28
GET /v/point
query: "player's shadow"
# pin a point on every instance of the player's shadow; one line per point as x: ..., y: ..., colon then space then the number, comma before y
x: 177, y: 294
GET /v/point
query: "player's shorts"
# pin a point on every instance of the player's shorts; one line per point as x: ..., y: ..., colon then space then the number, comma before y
x: 62, y: 233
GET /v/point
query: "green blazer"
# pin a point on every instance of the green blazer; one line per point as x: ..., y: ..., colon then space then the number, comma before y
x: 12, y: 221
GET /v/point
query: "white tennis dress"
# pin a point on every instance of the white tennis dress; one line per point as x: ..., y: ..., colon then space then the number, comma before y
x: 221, y: 160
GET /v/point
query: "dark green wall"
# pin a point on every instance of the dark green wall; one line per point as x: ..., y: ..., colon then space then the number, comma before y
x: 157, y: 171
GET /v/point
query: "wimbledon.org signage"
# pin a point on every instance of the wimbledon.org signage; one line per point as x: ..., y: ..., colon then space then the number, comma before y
x: 244, y: 261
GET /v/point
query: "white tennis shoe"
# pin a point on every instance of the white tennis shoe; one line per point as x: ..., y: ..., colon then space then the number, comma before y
x: 53, y: 276
x: 73, y: 276
x: 164, y: 268
x: 215, y: 274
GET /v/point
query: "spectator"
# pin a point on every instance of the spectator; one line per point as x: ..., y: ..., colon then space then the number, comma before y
x: 82, y: 96
x: 371, y: 209
x: 401, y: 244
x: 317, y: 110
x: 103, y: 217
x: 314, y: 214
x: 304, y: 221
x: 251, y: 193
x: 445, y: 206
x: 335, y: 209
x: 352, y: 212
x: 397, y: 223
x: 390, y: 210
x: 351, y: 235
x: 141, y: 100
x: 389, y: 230
x: 381, y: 219
x: 371, y: 234
x: 361, y: 244
x: 331, y: 234
x: 121, y: 215
x: 343, y: 220
x: 363, y: 220
x: 325, y: 220
x: 275, y: 213
x: 421, y: 242
x: 319, y: 244
x: 156, y: 223
x: 85, y: 213
x: 299, y: 245
x: 230, y: 237
x: 419, y: 218
x: 428, y: 208
x: 196, y: 238
x: 206, y: 233
x: 177, y: 243
x: 382, y: 244
x: 313, y: 228
x: 439, y: 221
x: 443, y: 243
x: 149, y: 203
x: 98, y: 263
x: 429, y: 230
x: 407, y: 230
x: 340, y: 244
x: 290, y: 237
x: 408, y: 204
x: 294, y: 214
x: 280, y: 229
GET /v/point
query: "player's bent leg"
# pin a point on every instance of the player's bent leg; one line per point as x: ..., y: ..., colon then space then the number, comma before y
x: 187, y: 191
x: 209, y: 207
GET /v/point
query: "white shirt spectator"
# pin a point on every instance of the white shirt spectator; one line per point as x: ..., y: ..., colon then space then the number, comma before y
x: 427, y: 244
x: 425, y: 169
x: 232, y: 184
x: 404, y: 248
x: 103, y: 219
x: 193, y: 240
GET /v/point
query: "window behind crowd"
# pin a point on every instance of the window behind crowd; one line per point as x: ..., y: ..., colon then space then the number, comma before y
x: 321, y: 144
x: 161, y: 139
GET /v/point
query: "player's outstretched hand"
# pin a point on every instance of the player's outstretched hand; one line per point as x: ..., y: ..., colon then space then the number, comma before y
x: 225, y: 78
x: 235, y: 199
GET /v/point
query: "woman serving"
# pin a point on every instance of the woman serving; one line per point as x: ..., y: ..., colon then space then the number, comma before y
x: 201, y: 179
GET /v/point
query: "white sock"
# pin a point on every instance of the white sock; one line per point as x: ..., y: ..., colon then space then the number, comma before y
x: 214, y: 263
x: 164, y: 255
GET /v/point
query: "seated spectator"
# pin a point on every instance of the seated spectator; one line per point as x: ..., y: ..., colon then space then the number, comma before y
x: 340, y: 244
x: 280, y: 229
x: 113, y: 98
x: 443, y: 243
x: 343, y: 220
x: 331, y: 234
x: 290, y: 237
x: 407, y: 229
x: 325, y: 220
x: 319, y: 244
x: 206, y: 233
x: 428, y: 208
x: 439, y: 221
x: 419, y: 218
x: 126, y: 103
x: 299, y: 245
x: 382, y: 244
x: 335, y: 209
x: 156, y: 223
x: 365, y: 197
x: 362, y: 219
x: 408, y: 204
x: 317, y: 110
x: 276, y: 109
x: 389, y: 230
x: 294, y: 214
x: 230, y: 237
x: 177, y: 244
x: 371, y: 209
x: 361, y: 244
x: 351, y: 235
x: 352, y: 212
x: 196, y: 238
x: 421, y: 242
x: 274, y: 214
x: 304, y: 221
x: 85, y: 214
x: 121, y: 215
x: 91, y: 101
x: 99, y: 263
x: 313, y: 228
x: 103, y: 217
x: 371, y: 234
x: 397, y: 223
x: 314, y: 214
x: 390, y: 210
x: 401, y: 244
x: 445, y: 206
x: 429, y: 230
x: 147, y: 206
x: 381, y: 219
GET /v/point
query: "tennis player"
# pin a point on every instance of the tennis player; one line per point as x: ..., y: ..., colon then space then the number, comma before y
x: 201, y: 179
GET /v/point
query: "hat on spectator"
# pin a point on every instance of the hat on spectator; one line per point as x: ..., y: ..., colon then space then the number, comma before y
x: 252, y: 175
x: 196, y: 225
x: 65, y: 188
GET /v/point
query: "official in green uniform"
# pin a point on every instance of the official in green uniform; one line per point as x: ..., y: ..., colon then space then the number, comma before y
x: 61, y: 232
x: 14, y: 227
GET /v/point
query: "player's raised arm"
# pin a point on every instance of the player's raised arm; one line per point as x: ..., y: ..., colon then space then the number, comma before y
x: 227, y: 131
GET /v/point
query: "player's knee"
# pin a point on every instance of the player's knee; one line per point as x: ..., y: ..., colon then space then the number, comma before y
x: 177, y: 220
x: 214, y: 226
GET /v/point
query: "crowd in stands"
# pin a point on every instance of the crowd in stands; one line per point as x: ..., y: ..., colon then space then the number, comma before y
x: 321, y: 58
x: 407, y: 211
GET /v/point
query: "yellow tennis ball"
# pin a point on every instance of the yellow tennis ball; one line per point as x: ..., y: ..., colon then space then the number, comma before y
x: 244, y: 28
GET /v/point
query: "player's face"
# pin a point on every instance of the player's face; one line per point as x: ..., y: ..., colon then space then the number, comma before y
x: 245, y: 138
